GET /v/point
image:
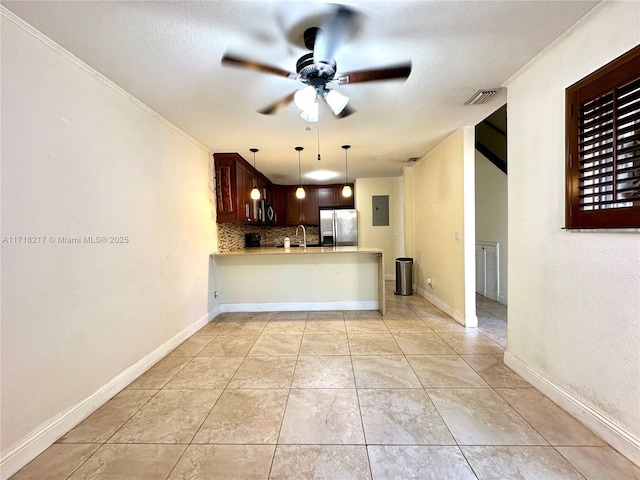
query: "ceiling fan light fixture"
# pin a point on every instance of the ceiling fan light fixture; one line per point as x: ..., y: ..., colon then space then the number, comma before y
x: 336, y: 101
x: 305, y: 99
x: 310, y: 115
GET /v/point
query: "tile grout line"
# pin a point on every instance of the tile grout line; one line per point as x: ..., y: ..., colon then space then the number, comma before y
x: 355, y: 384
x: 286, y: 403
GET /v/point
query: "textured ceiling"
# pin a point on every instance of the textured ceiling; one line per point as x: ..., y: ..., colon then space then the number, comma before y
x: 167, y: 54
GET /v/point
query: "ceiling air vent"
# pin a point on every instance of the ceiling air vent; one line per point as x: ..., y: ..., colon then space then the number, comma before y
x: 482, y: 96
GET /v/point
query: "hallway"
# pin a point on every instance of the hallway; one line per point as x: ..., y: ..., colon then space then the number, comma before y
x: 334, y: 395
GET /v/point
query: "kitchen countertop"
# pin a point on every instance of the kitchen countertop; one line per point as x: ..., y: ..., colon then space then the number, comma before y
x: 298, y: 251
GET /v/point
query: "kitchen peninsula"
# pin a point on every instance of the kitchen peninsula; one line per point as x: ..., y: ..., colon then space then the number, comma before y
x: 313, y: 278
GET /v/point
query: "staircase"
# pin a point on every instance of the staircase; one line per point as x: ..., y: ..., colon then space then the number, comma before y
x: 491, y: 138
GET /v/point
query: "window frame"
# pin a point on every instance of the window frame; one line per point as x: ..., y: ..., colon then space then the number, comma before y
x: 609, y: 78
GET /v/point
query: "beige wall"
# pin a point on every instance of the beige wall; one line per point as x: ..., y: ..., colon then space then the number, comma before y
x: 81, y: 158
x: 388, y: 238
x: 574, y: 306
x: 438, y: 182
x: 491, y: 213
x: 407, y: 181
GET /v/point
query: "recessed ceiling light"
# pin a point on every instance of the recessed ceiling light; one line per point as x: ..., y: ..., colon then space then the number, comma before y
x: 321, y: 175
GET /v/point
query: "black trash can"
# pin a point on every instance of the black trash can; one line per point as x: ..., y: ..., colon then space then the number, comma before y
x: 404, y: 276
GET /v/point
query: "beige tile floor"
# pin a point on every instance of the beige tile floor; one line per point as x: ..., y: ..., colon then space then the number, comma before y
x: 334, y: 395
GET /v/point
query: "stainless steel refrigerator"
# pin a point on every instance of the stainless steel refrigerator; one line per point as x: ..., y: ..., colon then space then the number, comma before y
x: 338, y: 227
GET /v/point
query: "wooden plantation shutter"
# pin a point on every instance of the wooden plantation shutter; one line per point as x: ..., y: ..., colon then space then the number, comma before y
x: 603, y: 147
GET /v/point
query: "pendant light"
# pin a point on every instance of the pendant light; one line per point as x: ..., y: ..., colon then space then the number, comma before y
x: 346, y: 190
x: 255, y: 193
x: 300, y: 193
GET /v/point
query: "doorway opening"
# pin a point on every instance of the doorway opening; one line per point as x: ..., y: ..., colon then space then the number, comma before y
x: 491, y: 224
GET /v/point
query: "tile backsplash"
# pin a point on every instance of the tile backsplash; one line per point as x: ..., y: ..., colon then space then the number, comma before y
x: 231, y: 235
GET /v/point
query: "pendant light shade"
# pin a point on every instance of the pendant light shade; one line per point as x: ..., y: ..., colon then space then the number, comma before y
x: 346, y: 190
x: 300, y: 193
x: 255, y: 193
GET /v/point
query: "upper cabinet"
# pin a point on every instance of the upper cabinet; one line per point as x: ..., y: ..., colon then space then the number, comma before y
x: 235, y: 178
x: 302, y: 210
x: 279, y: 204
x: 331, y: 196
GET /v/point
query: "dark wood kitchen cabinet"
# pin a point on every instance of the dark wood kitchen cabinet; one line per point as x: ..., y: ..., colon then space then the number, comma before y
x: 246, y: 213
x: 279, y: 204
x: 302, y: 210
x: 331, y: 196
x: 235, y: 178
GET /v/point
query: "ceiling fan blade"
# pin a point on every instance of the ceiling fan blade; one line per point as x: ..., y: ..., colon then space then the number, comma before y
x: 232, y: 60
x: 280, y: 104
x: 333, y: 33
x: 389, y: 73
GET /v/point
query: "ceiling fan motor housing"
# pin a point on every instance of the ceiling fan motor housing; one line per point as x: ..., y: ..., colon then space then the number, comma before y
x: 310, y: 35
x: 315, y: 74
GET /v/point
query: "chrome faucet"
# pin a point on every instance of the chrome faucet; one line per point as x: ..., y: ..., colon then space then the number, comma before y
x: 304, y: 235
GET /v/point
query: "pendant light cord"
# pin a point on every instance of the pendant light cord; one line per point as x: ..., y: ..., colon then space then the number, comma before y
x: 346, y: 162
x: 346, y: 168
x: 299, y: 149
x: 346, y: 190
x: 346, y: 171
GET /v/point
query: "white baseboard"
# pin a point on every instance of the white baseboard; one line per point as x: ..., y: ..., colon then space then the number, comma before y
x: 616, y: 436
x: 298, y: 306
x: 38, y: 440
x: 457, y: 316
x: 502, y: 299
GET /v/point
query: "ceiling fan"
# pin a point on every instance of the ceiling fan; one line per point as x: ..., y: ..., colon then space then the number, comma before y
x: 318, y: 69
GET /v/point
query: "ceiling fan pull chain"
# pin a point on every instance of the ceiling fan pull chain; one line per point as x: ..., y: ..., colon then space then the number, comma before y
x: 319, y: 139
